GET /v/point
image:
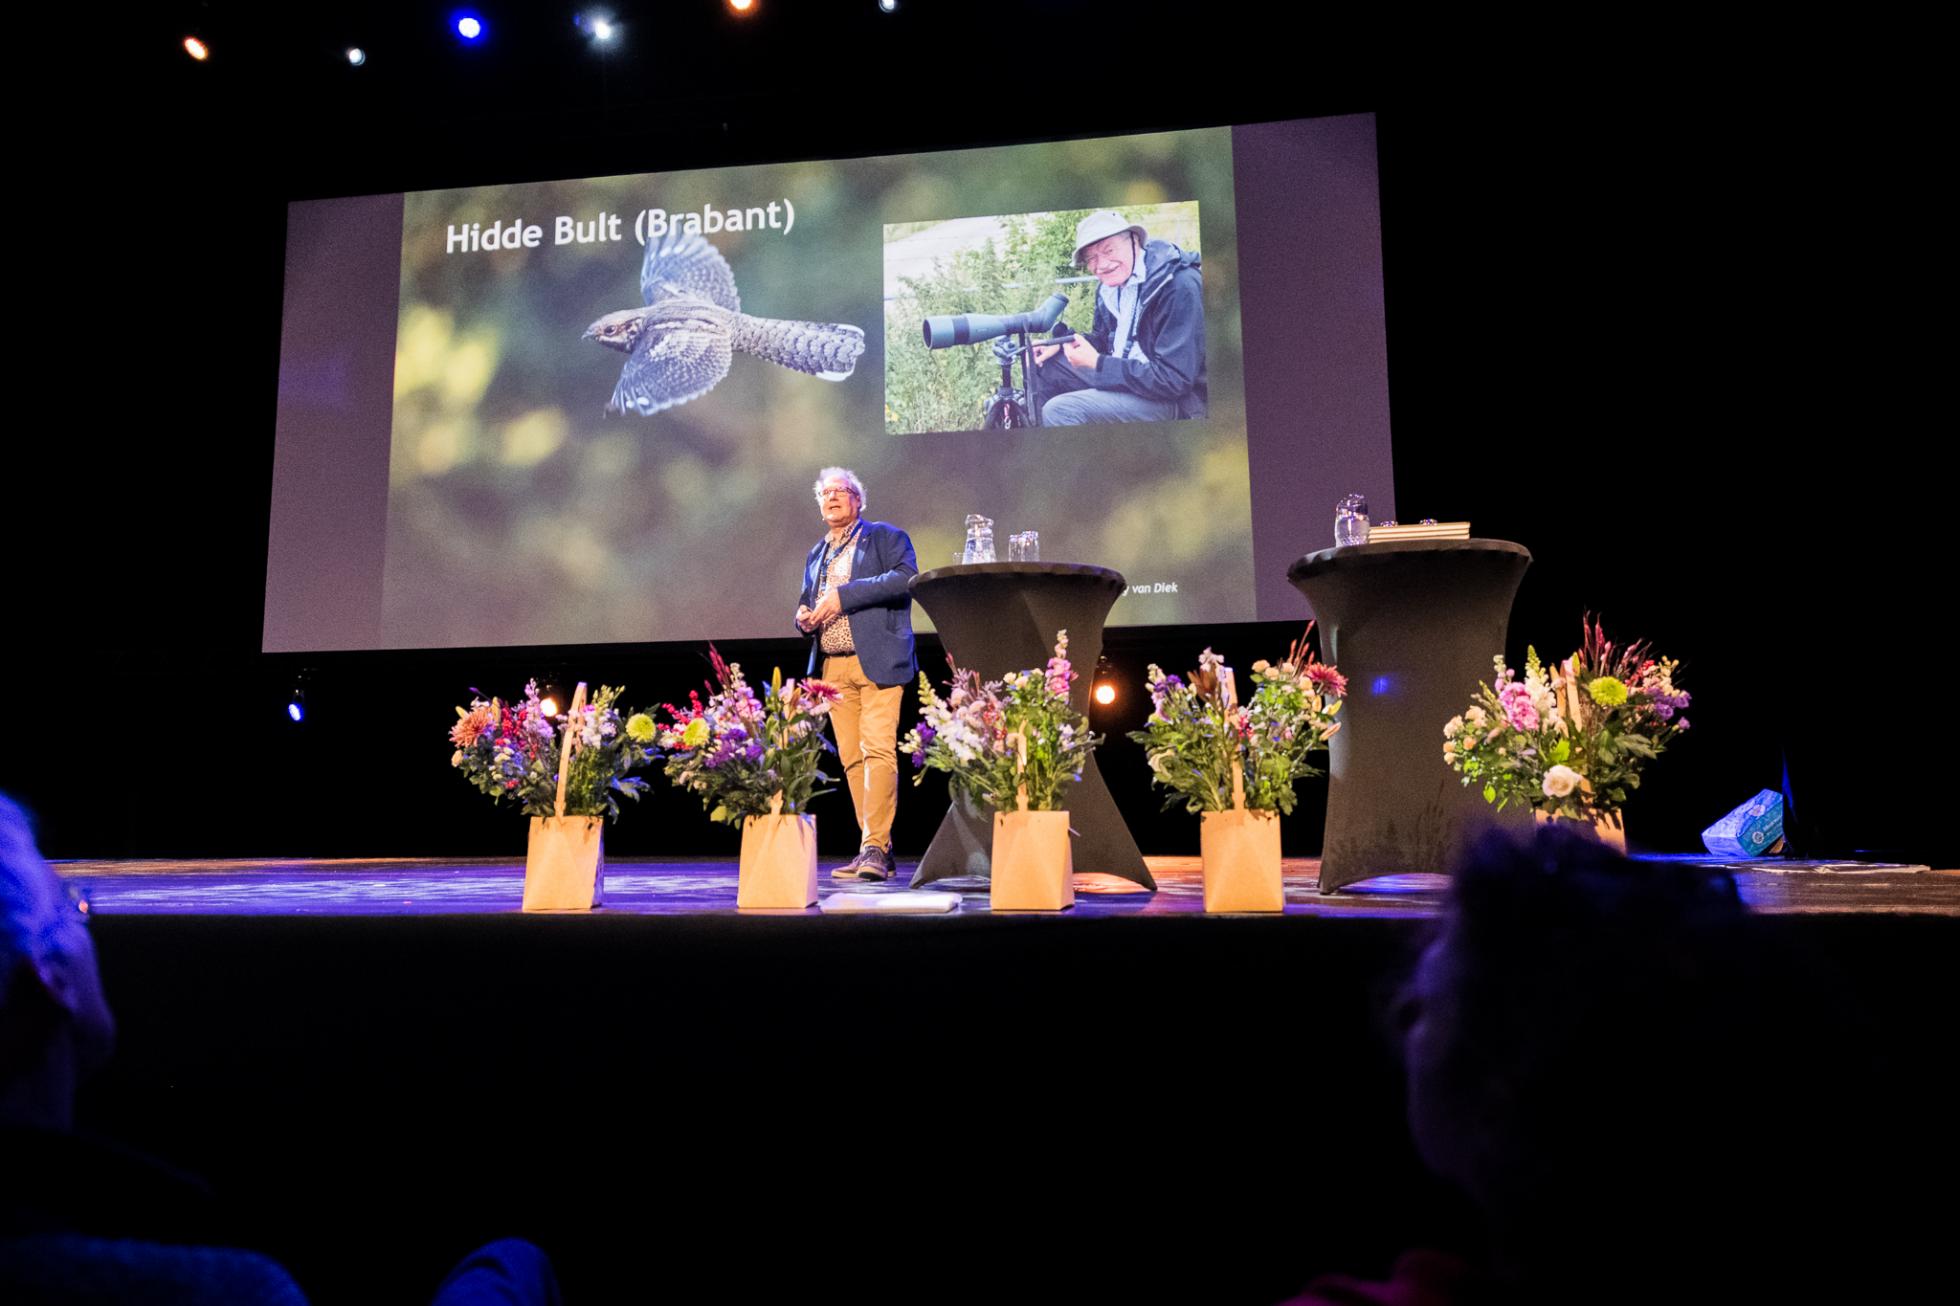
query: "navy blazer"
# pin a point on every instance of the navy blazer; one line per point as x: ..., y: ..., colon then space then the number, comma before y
x: 877, y: 602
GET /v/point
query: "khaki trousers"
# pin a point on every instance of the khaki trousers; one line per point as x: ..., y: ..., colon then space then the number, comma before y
x: 865, y: 722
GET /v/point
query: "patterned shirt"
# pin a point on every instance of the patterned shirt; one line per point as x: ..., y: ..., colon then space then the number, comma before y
x: 835, y: 639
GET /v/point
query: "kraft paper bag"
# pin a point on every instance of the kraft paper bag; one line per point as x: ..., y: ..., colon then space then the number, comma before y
x: 1033, y: 864
x: 565, y: 868
x: 1610, y: 829
x: 1241, y: 861
x: 779, y: 862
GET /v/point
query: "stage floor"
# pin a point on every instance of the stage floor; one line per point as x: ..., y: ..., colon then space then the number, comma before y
x: 430, y: 887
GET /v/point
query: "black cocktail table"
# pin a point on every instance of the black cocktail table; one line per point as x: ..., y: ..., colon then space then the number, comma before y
x: 997, y: 617
x: 1413, y: 625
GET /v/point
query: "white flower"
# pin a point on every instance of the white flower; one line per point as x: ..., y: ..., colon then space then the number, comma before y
x: 1560, y: 781
x: 1475, y: 718
x: 1453, y: 728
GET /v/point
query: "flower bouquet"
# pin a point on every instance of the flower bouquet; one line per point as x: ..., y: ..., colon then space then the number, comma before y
x: 1570, y: 739
x: 1012, y: 745
x: 565, y: 772
x: 1236, y: 763
x: 756, y: 763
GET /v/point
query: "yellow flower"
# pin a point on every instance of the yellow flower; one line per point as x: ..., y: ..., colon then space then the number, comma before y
x: 640, y: 728
x: 696, y: 733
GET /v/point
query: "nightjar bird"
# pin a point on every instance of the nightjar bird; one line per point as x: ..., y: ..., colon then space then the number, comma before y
x: 680, y: 345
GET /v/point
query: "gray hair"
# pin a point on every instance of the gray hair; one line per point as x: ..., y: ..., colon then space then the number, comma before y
x: 845, y: 475
x: 32, y: 901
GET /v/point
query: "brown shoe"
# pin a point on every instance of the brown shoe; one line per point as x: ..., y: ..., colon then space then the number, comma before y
x: 875, y: 864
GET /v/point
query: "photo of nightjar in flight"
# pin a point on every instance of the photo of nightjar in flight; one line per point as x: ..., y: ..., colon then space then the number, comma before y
x: 680, y: 345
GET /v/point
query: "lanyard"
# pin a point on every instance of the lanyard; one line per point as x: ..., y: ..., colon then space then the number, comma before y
x: 823, y: 568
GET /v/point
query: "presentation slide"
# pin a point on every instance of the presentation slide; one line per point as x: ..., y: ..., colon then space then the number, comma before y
x: 592, y: 411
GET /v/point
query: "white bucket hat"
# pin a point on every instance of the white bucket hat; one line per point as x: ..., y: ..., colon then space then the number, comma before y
x: 1100, y: 225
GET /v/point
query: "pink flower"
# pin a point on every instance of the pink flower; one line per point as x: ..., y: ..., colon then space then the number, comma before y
x: 1326, y: 680
x: 1060, y: 673
x: 819, y: 695
x: 1516, y: 700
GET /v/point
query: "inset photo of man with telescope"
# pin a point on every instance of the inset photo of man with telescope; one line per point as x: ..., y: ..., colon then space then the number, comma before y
x: 1013, y: 284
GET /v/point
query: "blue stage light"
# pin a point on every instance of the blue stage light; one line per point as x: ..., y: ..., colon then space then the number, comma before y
x: 296, y: 710
x: 356, y: 55
x: 468, y: 26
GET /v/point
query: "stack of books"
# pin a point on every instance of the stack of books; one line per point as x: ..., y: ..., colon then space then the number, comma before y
x: 1428, y: 530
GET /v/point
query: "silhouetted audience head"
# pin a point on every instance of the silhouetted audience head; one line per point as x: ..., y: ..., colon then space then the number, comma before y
x: 55, y: 1024
x: 1626, y: 1077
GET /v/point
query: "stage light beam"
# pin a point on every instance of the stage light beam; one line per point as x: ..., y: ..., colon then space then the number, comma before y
x: 1105, y: 693
x: 469, y: 26
x: 196, y: 49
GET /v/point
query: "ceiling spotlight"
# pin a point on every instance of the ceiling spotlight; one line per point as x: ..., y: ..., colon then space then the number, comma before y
x: 1105, y: 693
x: 888, y: 5
x: 741, y: 6
x: 469, y: 26
x: 196, y: 49
x: 599, y: 24
x: 356, y: 55
x: 296, y: 700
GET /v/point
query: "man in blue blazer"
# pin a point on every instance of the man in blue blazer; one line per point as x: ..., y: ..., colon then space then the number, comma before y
x: 856, y: 607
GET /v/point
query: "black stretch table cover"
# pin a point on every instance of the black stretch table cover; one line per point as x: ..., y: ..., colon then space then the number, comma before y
x: 997, y: 617
x: 1413, y: 625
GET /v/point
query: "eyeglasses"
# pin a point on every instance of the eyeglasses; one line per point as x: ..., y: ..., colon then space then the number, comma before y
x: 834, y: 491
x: 1104, y: 253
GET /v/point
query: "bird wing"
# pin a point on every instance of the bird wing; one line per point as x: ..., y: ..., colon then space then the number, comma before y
x: 687, y: 265
x: 683, y: 353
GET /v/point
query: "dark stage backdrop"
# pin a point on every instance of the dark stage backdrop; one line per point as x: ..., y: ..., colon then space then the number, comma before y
x: 1578, y: 289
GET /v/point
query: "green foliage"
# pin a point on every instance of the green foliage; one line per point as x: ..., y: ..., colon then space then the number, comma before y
x: 746, y: 756
x: 997, y: 738
x: 1197, y: 732
x: 1568, y: 740
x: 511, y: 751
